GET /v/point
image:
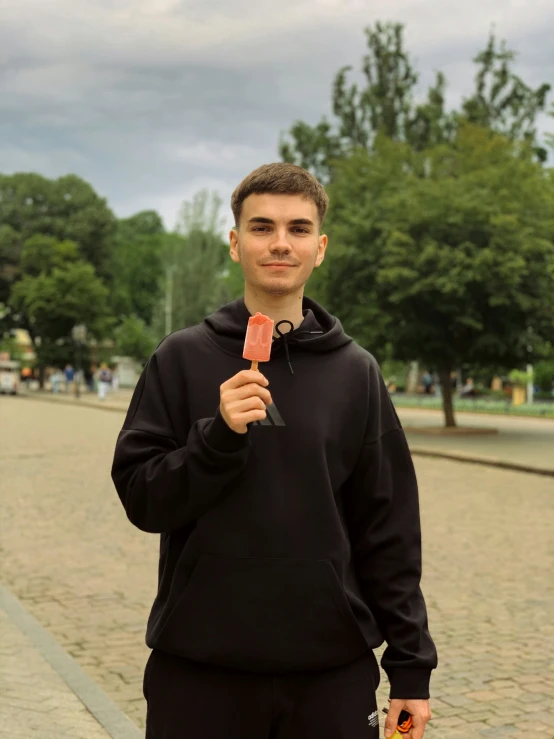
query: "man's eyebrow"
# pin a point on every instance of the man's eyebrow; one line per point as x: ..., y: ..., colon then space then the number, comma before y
x: 302, y: 222
x: 294, y: 222
x: 260, y: 219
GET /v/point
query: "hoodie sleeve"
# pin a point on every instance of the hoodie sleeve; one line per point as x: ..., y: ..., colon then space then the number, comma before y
x: 164, y: 485
x: 382, y: 509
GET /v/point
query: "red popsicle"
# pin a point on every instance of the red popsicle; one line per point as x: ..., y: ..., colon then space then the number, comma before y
x: 259, y: 336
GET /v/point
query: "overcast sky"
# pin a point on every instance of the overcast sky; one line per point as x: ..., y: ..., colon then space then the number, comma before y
x: 155, y: 99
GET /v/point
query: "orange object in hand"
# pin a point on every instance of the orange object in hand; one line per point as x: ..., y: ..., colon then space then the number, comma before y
x: 259, y: 337
x: 406, y: 725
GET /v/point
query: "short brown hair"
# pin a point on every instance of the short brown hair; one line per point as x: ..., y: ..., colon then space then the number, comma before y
x: 280, y: 178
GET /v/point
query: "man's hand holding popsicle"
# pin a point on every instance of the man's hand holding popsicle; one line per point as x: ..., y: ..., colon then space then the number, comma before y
x: 243, y: 398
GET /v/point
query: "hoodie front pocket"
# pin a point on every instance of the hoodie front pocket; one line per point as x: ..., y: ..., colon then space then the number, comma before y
x: 263, y: 615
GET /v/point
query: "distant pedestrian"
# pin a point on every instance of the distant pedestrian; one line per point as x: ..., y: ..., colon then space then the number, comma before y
x: 69, y: 373
x: 427, y: 380
x: 104, y: 381
x: 89, y: 379
x: 56, y: 380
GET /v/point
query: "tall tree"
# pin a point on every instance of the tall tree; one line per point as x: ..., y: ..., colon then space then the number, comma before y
x: 135, y: 339
x: 195, y: 258
x: 387, y: 104
x: 65, y: 208
x: 57, y: 290
x: 550, y: 136
x: 136, y: 266
x: 502, y: 101
x: 452, y: 268
x: 10, y: 255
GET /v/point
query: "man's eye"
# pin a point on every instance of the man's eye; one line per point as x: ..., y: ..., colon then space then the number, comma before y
x: 260, y: 228
x: 301, y: 230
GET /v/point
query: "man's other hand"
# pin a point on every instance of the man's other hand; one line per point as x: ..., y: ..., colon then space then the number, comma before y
x: 420, y: 712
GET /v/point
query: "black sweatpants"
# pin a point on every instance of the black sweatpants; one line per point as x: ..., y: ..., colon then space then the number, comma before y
x: 188, y: 700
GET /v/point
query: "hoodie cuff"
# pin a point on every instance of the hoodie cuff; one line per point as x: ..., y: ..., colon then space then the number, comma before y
x: 223, y: 439
x: 409, y: 684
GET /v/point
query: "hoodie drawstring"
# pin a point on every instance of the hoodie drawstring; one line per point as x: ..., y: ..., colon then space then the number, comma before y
x: 284, y: 336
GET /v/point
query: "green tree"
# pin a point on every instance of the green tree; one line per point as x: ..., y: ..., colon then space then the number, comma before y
x: 195, y: 259
x: 135, y: 339
x: 136, y: 267
x: 386, y: 103
x: 544, y: 374
x: 452, y: 268
x: 65, y: 208
x: 57, y: 290
x: 233, y: 282
x: 10, y: 253
x: 501, y: 100
x: 550, y: 136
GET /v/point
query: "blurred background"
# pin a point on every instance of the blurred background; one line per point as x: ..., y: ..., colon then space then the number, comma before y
x: 124, y: 130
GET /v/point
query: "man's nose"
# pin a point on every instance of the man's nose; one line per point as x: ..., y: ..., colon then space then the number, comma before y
x: 281, y: 241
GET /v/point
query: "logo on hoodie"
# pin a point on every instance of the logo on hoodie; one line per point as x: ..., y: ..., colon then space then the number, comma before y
x: 373, y: 719
x: 273, y: 417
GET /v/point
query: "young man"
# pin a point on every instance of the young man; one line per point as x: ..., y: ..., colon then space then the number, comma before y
x: 104, y: 381
x: 287, y: 505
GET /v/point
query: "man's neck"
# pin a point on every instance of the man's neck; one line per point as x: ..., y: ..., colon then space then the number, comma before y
x: 276, y: 307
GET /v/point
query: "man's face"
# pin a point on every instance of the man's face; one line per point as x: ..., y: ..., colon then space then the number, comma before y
x: 278, y: 243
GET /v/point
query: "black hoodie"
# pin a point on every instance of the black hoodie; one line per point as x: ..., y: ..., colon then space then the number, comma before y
x: 297, y: 545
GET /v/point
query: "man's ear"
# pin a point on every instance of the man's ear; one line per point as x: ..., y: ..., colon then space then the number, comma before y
x: 234, y: 245
x: 321, y: 249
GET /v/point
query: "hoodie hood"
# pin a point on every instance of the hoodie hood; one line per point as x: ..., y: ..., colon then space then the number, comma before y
x: 319, y: 332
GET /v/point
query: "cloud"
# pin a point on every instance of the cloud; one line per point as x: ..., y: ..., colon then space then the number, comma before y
x: 152, y: 99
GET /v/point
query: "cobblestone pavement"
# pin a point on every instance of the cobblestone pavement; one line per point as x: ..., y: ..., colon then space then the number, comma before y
x: 526, y: 441
x: 520, y: 440
x: 88, y: 576
x: 35, y: 700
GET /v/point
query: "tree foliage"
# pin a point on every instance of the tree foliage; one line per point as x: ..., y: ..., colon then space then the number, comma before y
x: 66, y: 208
x: 454, y: 267
x: 56, y: 291
x: 134, y: 338
x: 550, y: 136
x: 502, y: 101
x: 136, y: 266
x: 195, y: 260
x: 386, y: 103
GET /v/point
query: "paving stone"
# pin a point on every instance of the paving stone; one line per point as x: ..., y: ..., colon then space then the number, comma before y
x: 484, y: 696
x: 55, y: 712
x: 86, y: 574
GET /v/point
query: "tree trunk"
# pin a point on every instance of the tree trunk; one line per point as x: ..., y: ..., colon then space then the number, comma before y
x: 41, y: 376
x: 41, y: 367
x: 449, y: 419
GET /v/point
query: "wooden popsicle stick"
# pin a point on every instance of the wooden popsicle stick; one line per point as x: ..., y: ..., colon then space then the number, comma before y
x: 255, y: 365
